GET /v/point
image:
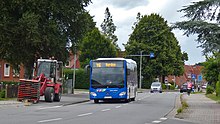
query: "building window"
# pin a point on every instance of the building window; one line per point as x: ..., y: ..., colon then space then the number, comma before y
x: 16, y: 71
x: 6, y: 69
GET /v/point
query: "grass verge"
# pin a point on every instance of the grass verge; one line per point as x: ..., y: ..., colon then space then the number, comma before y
x: 6, y: 99
x: 184, y: 105
x: 214, y: 97
x: 83, y: 90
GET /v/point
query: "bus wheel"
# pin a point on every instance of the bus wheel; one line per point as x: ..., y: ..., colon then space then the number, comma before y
x: 133, y: 99
x: 96, y: 101
x: 127, y: 100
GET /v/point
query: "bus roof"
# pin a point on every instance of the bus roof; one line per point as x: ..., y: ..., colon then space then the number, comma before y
x: 128, y: 60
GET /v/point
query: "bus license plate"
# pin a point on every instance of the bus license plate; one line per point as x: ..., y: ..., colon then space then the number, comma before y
x: 107, y: 97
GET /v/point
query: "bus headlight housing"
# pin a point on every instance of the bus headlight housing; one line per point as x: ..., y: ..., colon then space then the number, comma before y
x: 93, y: 94
x: 122, y: 93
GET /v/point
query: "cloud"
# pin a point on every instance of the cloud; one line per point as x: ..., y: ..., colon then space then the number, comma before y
x: 126, y: 4
x: 124, y: 14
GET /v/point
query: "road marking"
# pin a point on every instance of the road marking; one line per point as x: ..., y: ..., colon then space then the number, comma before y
x: 156, y: 122
x: 125, y: 104
x: 106, y: 110
x: 118, y: 106
x: 84, y: 114
x: 49, y: 120
x: 49, y: 107
x: 163, y: 119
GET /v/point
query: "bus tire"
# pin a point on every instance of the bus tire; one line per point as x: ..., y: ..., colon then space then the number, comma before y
x: 96, y: 101
x: 127, y: 100
x: 133, y: 99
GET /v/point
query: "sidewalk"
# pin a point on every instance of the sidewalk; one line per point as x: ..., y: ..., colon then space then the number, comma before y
x: 77, y: 97
x: 9, y: 102
x: 201, y: 110
x: 66, y: 99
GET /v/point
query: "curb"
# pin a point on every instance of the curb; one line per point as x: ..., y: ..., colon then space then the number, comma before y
x: 173, y: 112
x: 9, y: 103
x: 66, y: 104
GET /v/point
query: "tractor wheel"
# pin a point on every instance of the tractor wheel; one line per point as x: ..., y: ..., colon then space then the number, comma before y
x: 49, y: 94
x: 57, y: 96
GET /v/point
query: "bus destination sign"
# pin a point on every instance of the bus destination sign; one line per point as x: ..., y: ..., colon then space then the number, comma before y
x: 107, y: 64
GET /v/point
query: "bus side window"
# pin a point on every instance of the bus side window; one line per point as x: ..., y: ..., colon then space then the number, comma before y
x: 128, y: 71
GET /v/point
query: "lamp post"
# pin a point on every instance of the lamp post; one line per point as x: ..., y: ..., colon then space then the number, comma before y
x: 74, y: 69
x: 140, y: 70
x: 151, y: 55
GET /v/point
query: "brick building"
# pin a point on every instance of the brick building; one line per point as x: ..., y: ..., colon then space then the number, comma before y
x: 191, y: 72
x: 8, y: 73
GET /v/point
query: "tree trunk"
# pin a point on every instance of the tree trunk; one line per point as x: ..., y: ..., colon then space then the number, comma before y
x: 163, y: 79
x: 28, y: 69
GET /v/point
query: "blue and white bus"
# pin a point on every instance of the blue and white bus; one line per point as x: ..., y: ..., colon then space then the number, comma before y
x: 113, y: 78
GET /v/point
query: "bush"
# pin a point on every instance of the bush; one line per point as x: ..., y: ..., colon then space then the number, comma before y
x: 2, y: 94
x: 172, y: 87
x: 217, y: 90
x: 164, y: 86
x: 209, y: 90
x: 145, y: 84
x: 82, y: 78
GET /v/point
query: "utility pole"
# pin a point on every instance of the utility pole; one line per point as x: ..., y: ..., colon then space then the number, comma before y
x: 140, y: 80
x: 74, y: 69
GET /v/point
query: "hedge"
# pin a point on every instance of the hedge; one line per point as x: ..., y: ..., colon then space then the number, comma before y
x: 217, y: 88
x: 210, y: 90
x: 82, y: 78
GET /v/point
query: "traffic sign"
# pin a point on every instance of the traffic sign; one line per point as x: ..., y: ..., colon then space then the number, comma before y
x: 199, y: 77
x: 193, y: 76
x: 151, y: 55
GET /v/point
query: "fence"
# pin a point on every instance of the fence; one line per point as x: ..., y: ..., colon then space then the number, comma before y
x: 8, y: 90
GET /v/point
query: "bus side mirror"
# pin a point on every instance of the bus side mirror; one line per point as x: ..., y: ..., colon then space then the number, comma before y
x: 87, y: 69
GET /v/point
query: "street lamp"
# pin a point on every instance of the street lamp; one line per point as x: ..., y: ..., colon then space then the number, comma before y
x: 74, y: 69
x: 140, y: 70
x: 151, y: 55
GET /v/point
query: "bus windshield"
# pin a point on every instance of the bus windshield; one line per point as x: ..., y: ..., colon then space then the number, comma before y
x: 112, y: 77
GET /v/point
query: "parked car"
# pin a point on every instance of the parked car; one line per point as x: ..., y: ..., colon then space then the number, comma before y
x: 183, y: 88
x: 204, y: 86
x: 156, y: 87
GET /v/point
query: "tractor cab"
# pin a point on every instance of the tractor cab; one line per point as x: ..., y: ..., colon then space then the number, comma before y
x: 52, y: 69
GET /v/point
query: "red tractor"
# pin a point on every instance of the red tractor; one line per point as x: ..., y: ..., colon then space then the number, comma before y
x: 47, y: 83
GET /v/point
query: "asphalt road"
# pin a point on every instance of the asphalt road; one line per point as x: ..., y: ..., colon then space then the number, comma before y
x: 147, y: 109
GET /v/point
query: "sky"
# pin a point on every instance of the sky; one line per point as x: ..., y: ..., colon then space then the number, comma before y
x: 124, y: 13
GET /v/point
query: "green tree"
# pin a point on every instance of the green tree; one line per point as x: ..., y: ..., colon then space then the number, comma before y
x: 138, y: 18
x: 211, y: 68
x: 109, y: 28
x: 152, y: 34
x: 204, y: 19
x: 39, y: 28
x: 94, y: 46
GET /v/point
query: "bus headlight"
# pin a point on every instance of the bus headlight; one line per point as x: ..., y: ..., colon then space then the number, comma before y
x: 93, y: 94
x: 122, y: 93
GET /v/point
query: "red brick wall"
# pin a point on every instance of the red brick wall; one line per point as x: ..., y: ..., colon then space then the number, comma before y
x: 11, y: 77
x: 188, y: 71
